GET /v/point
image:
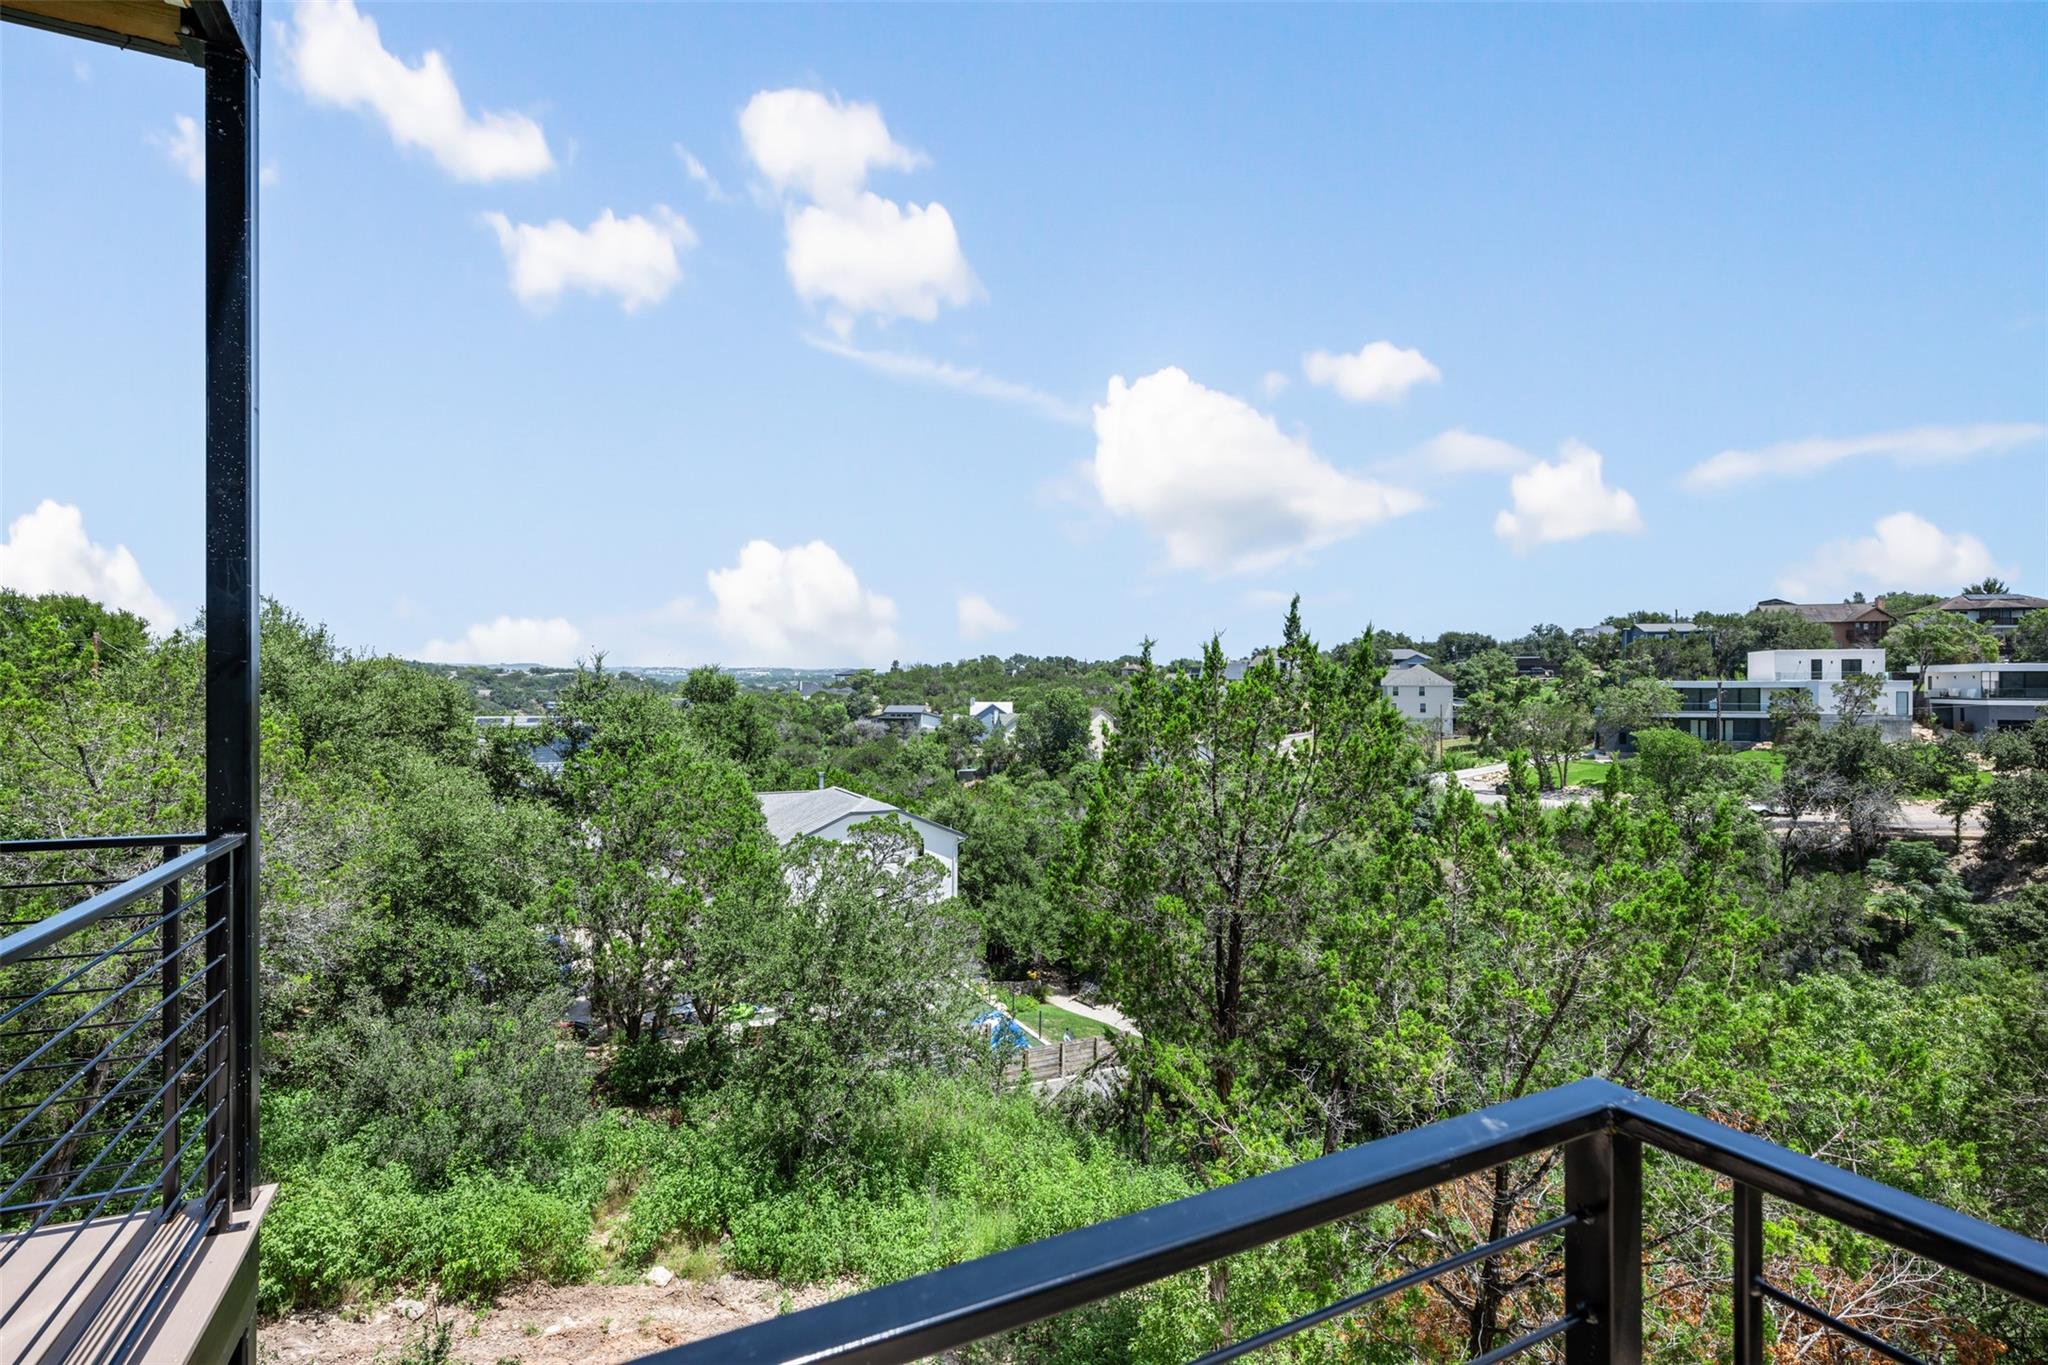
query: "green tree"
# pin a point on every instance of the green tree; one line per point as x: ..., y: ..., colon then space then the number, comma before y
x: 1989, y: 586
x: 1791, y: 709
x: 1938, y: 637
x: 1054, y: 732
x: 1551, y: 727
x: 1636, y: 706
x: 728, y: 722
x: 2029, y: 641
x: 1212, y: 856
x: 862, y: 968
x: 667, y: 859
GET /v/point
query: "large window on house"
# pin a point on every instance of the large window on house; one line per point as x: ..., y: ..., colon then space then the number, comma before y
x: 1852, y: 668
x: 1816, y: 670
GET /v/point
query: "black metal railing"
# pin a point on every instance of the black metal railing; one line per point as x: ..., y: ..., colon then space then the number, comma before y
x: 1601, y: 1129
x: 120, y: 1049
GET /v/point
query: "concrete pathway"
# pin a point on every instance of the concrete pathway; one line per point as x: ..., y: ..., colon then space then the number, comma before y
x: 1101, y: 1014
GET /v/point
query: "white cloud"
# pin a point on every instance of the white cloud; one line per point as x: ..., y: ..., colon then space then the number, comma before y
x: 1273, y: 383
x: 1912, y: 446
x: 1449, y: 454
x: 1564, y: 501
x: 818, y: 145
x: 510, y: 640
x: 702, y: 177
x: 81, y: 70
x: 338, y: 59
x: 1380, y: 372
x: 1904, y: 549
x: 965, y: 378
x: 270, y: 174
x: 848, y: 248
x: 1218, y: 480
x: 47, y: 550
x: 873, y: 255
x: 803, y: 605
x: 979, y: 617
x: 632, y: 258
x: 183, y: 147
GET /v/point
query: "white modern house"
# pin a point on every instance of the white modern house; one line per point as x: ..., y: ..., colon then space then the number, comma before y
x: 833, y: 812
x: 1423, y: 697
x: 994, y: 717
x: 1738, y: 711
x: 1981, y: 697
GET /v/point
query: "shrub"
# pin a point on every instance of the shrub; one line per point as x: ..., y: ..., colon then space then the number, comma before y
x: 473, y: 1087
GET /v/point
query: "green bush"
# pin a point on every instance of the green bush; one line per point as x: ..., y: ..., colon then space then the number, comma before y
x: 468, y: 1088
x: 352, y: 1222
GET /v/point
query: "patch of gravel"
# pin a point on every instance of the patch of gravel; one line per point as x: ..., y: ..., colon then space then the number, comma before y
x: 590, y: 1324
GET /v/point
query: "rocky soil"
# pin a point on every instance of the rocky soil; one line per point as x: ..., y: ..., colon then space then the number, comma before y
x: 539, y: 1325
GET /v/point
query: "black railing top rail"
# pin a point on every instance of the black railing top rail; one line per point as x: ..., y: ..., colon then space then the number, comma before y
x: 87, y: 842
x: 949, y: 1308
x: 27, y: 941
x: 1998, y: 1256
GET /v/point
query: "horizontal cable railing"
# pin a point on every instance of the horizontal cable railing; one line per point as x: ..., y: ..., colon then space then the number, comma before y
x: 116, y: 1064
x: 1601, y: 1130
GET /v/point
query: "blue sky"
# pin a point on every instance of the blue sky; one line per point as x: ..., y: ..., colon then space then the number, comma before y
x: 1045, y: 329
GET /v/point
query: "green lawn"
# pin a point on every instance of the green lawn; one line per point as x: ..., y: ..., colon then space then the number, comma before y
x: 1770, y: 760
x: 1049, y: 1022
x: 1583, y: 772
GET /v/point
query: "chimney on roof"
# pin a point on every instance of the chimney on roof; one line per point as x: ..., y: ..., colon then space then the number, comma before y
x: 821, y: 779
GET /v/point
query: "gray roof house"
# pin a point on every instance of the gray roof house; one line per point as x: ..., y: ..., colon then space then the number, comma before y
x: 832, y: 812
x: 1402, y: 658
x: 1661, y: 630
x: 1999, y: 612
x: 1424, y: 697
x: 908, y: 719
x: 993, y: 716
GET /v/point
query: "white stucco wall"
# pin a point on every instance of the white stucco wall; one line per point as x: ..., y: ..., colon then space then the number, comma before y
x: 1796, y: 665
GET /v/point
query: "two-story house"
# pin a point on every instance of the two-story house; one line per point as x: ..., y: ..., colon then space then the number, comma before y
x: 1998, y: 612
x: 1853, y: 624
x: 907, y: 719
x: 1979, y: 697
x: 1422, y: 696
x: 1738, y: 711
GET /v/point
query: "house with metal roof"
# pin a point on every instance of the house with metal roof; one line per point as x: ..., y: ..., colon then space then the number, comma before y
x: 834, y: 812
x: 1422, y: 695
x: 994, y: 717
x: 1998, y: 612
x: 908, y: 719
x: 1853, y: 624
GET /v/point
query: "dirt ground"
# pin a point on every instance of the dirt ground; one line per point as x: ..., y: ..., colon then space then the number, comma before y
x: 541, y: 1325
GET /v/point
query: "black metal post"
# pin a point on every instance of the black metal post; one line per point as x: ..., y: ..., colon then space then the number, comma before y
x: 1749, y: 1268
x: 167, y: 1019
x: 232, y: 600
x: 1603, y: 1254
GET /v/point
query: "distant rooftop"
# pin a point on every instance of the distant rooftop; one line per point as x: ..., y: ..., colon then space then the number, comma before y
x: 793, y: 814
x: 1415, y: 675
x: 1827, y: 613
x: 1970, y: 601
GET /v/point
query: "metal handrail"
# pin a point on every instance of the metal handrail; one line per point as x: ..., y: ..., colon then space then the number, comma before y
x: 85, y: 843
x: 166, y: 1040
x: 23, y: 942
x: 1602, y: 1128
